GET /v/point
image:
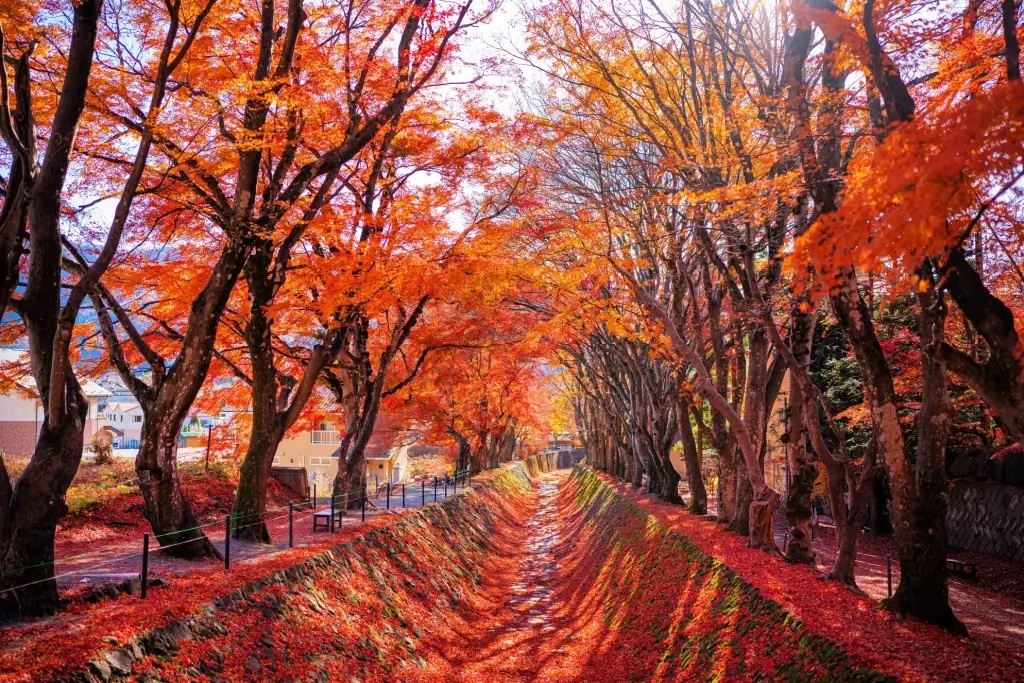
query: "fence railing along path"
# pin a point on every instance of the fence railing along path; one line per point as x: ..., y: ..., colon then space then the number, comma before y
x: 289, y: 526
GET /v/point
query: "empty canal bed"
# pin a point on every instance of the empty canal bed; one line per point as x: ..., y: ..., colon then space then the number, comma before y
x: 532, y: 575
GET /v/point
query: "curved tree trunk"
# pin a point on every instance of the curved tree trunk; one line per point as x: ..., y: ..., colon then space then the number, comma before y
x: 168, y: 512
x: 28, y: 522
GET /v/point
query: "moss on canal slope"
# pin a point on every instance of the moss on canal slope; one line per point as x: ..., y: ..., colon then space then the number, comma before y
x: 680, y: 613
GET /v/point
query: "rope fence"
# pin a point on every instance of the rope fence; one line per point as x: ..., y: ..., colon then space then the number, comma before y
x: 338, y: 508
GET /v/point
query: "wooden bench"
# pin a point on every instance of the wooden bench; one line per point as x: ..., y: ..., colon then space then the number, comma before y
x: 962, y: 568
x: 322, y: 518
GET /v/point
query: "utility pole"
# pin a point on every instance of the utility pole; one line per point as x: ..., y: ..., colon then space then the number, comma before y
x: 209, y: 439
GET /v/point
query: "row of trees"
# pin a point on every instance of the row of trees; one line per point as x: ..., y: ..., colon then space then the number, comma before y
x: 719, y: 179
x: 257, y: 203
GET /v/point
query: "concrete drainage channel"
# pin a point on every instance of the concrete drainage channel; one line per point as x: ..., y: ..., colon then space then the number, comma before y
x: 453, y: 533
x: 531, y: 601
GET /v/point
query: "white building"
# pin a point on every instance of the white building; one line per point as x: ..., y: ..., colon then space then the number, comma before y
x: 123, y: 419
x: 21, y: 412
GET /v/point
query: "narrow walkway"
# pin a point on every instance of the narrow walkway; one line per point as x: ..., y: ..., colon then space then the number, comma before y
x: 124, y: 556
x: 990, y: 618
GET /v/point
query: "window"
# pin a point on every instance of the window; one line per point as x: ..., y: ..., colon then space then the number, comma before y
x: 326, y: 434
x: 136, y: 418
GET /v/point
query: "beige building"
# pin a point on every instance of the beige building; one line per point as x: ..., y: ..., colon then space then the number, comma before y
x: 316, y: 450
x: 389, y: 466
x: 313, y: 449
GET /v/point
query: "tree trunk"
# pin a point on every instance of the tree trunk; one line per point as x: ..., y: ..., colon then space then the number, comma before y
x: 254, y: 474
x: 915, y: 515
x: 170, y: 515
x: 669, y: 491
x: 33, y: 507
x: 350, y: 481
x: 726, y: 487
x: 691, y: 458
x: 740, y: 521
x: 923, y: 589
x: 802, y: 471
x: 250, y: 504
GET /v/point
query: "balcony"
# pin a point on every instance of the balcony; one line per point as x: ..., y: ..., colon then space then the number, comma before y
x: 326, y: 436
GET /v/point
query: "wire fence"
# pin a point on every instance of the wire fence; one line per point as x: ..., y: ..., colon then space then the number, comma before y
x: 329, y: 518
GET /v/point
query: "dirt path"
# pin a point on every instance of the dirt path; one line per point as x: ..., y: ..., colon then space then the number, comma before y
x: 989, y: 618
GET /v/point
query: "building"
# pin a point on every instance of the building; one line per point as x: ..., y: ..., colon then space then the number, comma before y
x: 313, y: 449
x: 122, y: 422
x: 21, y: 412
x: 391, y: 465
x: 317, y: 450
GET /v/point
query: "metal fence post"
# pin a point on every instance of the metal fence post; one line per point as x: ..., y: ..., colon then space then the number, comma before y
x: 435, y: 489
x: 446, y: 486
x: 389, y: 495
x: 364, y: 503
x: 227, y: 542
x: 403, y: 495
x: 145, y: 565
x: 888, y: 572
x: 291, y: 524
x: 332, y: 512
x: 314, y: 497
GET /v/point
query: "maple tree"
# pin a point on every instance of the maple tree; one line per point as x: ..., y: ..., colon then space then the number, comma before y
x: 248, y: 206
x: 715, y: 165
x: 286, y: 120
x: 32, y: 213
x: 269, y: 165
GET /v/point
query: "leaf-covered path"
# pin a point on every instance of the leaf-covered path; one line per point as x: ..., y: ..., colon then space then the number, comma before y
x: 518, y: 626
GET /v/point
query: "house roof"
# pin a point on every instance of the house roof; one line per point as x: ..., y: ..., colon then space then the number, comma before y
x: 27, y: 382
x: 124, y: 406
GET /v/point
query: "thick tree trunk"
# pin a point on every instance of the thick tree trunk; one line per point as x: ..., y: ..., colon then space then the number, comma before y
x: 740, y: 522
x: 802, y: 471
x: 669, y: 491
x: 691, y: 458
x: 254, y: 474
x: 174, y: 525
x: 350, y: 481
x: 28, y: 522
x: 917, y: 509
x: 923, y: 589
x: 726, y: 487
x: 250, y: 504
